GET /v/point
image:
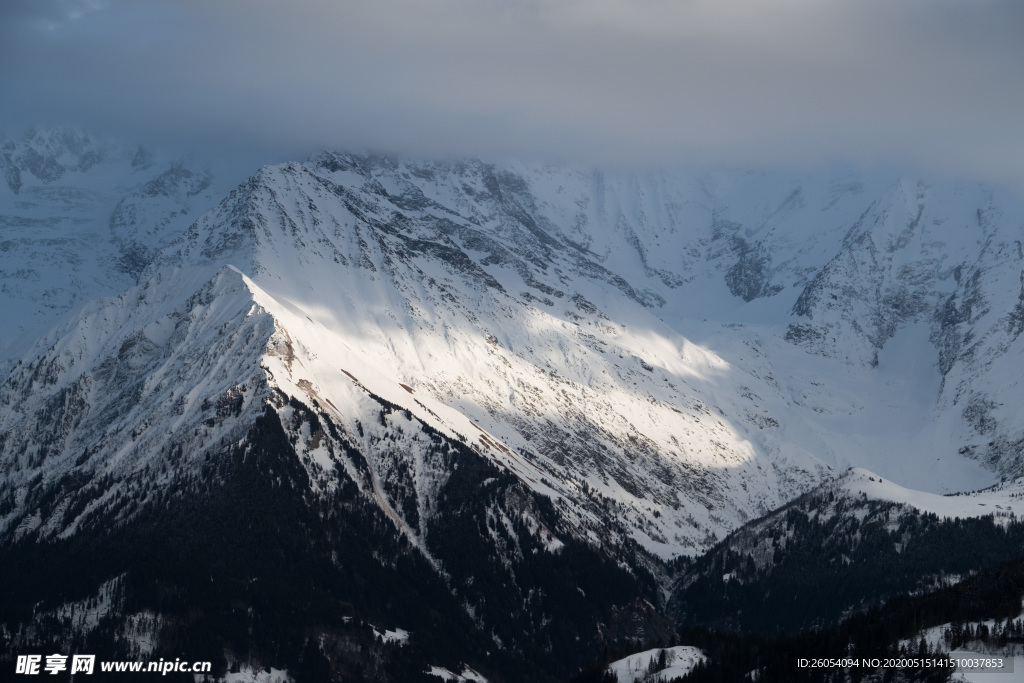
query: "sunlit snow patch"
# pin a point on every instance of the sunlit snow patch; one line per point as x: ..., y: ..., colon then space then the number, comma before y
x: 467, y: 675
x: 399, y: 636
x: 679, y: 661
x: 1003, y: 501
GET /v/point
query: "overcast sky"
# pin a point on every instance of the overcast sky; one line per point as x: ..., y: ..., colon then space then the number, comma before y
x: 933, y: 83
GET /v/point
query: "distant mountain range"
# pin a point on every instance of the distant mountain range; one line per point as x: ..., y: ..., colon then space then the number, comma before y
x: 516, y: 412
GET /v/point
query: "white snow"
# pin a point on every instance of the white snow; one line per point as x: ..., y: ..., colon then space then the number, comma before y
x: 399, y: 636
x: 680, y: 661
x: 61, y: 239
x: 252, y: 674
x: 468, y: 675
x: 606, y: 365
x: 1004, y: 502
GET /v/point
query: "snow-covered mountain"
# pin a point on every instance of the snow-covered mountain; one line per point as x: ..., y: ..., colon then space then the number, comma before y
x: 81, y: 216
x: 630, y: 365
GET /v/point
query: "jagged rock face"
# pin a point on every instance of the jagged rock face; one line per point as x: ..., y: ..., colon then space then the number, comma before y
x: 549, y: 368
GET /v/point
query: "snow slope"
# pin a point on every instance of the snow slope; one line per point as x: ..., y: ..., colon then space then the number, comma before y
x: 1003, y: 501
x: 651, y: 360
x: 556, y: 308
x: 680, y: 661
x: 81, y: 216
x: 680, y: 353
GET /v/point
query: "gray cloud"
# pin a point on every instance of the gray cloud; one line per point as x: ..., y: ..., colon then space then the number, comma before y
x: 934, y: 83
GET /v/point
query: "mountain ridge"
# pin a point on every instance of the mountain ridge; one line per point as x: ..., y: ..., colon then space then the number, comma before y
x: 523, y: 378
